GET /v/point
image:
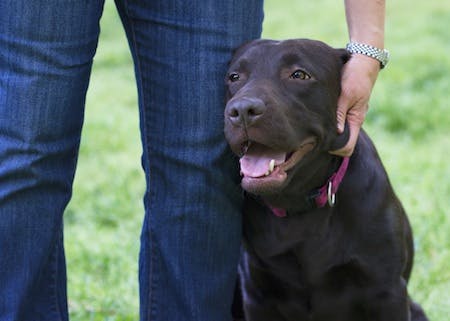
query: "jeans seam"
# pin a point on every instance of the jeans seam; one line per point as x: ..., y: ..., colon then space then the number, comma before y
x: 152, y: 306
x: 53, y: 286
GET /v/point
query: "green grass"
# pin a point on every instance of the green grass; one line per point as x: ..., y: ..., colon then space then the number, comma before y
x: 409, y: 120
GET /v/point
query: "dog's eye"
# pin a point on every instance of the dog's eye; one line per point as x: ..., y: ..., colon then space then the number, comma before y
x: 300, y: 74
x: 234, y: 76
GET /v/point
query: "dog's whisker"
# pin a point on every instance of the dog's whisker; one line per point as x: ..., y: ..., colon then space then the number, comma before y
x: 245, y: 147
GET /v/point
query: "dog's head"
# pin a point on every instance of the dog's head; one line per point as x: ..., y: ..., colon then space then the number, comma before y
x: 281, y: 109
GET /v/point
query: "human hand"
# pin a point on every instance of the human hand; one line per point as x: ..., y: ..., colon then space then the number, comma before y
x: 358, y: 78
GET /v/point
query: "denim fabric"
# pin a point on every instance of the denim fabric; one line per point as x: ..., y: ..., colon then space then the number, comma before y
x: 191, y: 232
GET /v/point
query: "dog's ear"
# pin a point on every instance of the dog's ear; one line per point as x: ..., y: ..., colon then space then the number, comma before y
x: 344, y: 55
x: 342, y: 139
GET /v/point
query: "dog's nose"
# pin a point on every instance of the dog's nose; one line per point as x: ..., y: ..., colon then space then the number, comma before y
x: 245, y: 111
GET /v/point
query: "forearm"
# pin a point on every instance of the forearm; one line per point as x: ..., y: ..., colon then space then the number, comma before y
x: 365, y: 21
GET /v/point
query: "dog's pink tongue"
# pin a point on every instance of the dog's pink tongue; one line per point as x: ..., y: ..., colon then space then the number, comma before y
x: 256, y: 161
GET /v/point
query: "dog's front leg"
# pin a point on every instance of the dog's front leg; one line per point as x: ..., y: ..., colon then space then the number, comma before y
x: 389, y: 303
x: 257, y: 293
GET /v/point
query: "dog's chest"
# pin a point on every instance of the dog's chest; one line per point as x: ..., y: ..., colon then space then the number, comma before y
x: 300, y: 235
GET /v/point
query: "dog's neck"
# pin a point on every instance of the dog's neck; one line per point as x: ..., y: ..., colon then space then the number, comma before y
x: 312, y: 187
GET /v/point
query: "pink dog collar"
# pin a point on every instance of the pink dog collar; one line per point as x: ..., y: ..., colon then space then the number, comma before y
x: 325, y: 194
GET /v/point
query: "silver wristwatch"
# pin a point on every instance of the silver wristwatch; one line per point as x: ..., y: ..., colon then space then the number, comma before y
x: 382, y: 55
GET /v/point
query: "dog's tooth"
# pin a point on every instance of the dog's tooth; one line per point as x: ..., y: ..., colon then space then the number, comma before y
x: 271, y: 165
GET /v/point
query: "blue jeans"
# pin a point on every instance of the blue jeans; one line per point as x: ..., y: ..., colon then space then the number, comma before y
x: 191, y: 233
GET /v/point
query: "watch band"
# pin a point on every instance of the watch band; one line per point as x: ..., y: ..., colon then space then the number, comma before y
x: 382, y: 55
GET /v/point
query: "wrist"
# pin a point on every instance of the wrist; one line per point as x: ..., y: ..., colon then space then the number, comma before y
x: 365, y: 67
x: 380, y: 55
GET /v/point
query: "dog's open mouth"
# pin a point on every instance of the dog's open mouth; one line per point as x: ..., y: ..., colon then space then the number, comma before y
x: 264, y: 169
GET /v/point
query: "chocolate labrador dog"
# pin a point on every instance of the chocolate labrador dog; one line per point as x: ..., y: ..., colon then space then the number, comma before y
x: 325, y: 238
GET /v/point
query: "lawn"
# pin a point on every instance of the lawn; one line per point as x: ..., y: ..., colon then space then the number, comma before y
x: 409, y: 120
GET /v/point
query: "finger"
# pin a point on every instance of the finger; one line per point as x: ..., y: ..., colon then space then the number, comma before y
x: 341, y: 112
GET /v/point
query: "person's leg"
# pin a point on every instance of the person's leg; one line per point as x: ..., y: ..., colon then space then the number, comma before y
x: 191, y: 234
x: 46, y: 50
